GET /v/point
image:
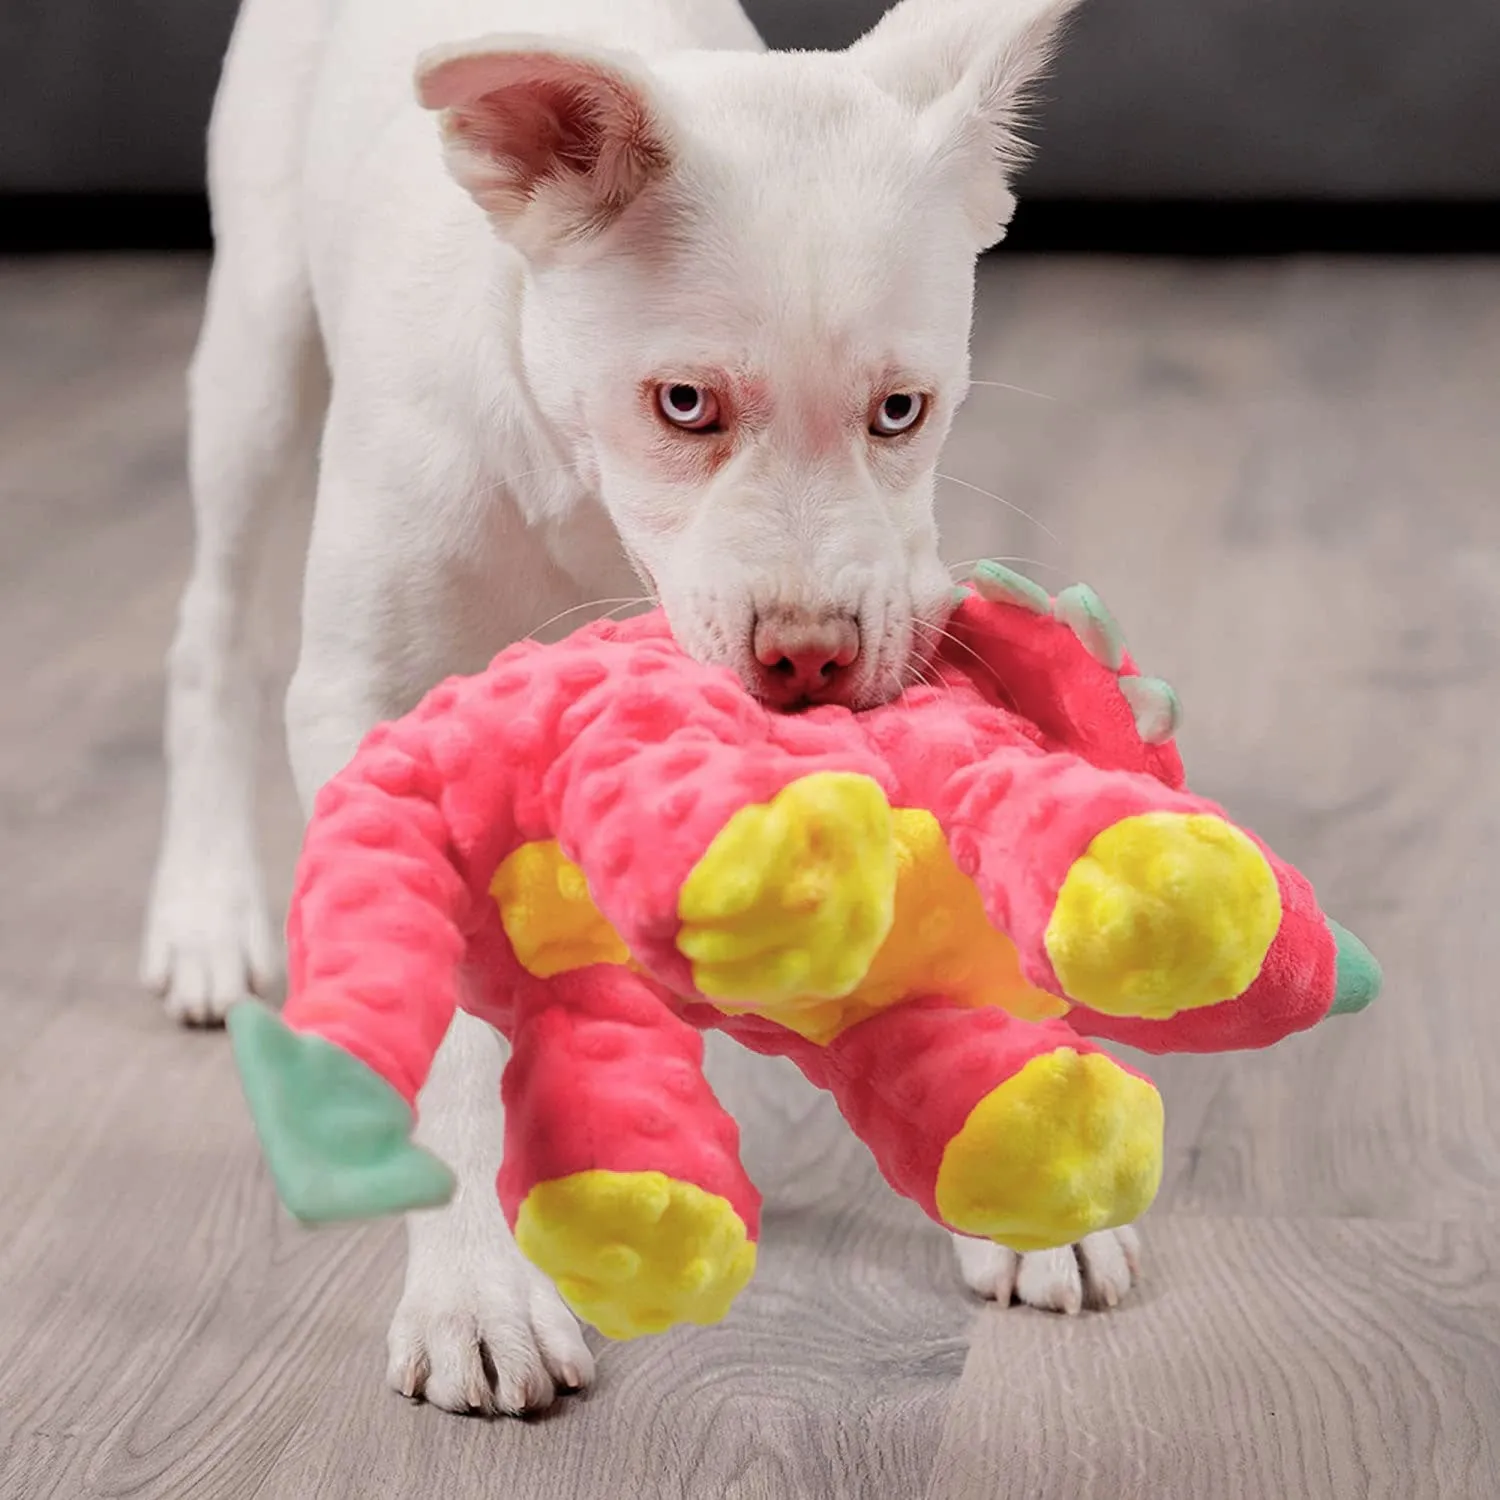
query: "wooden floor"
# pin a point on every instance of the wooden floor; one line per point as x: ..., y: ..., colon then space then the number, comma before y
x: 1284, y: 477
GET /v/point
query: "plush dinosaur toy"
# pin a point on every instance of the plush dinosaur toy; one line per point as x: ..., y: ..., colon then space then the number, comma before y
x: 602, y: 847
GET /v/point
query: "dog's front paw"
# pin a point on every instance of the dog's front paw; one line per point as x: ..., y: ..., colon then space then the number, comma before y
x: 1097, y: 1272
x: 484, y: 1333
x: 208, y: 940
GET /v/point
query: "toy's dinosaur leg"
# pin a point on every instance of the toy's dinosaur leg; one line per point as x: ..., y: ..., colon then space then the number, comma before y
x: 1119, y: 893
x: 1063, y: 665
x: 1002, y: 1129
x: 375, y: 947
x: 1315, y: 968
x: 733, y: 867
x: 622, y: 1177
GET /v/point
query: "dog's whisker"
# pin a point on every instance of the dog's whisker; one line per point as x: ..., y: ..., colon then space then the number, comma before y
x: 620, y: 604
x: 510, y: 479
x: 938, y: 685
x: 626, y: 604
x: 1000, y: 499
x: 1020, y: 390
x: 948, y: 635
x: 918, y: 667
x: 944, y: 634
x: 915, y: 678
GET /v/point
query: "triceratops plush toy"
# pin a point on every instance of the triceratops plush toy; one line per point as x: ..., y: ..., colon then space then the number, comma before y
x: 602, y: 847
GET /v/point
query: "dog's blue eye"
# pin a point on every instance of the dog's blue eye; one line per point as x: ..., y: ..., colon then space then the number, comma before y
x: 898, y: 413
x: 688, y: 406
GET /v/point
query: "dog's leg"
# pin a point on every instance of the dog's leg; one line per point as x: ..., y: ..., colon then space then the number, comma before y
x: 254, y: 394
x: 478, y: 1328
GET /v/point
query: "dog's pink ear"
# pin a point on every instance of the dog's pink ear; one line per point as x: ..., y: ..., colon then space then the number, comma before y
x: 969, y: 65
x: 553, y: 142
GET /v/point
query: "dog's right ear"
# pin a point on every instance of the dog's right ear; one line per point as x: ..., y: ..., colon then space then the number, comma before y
x: 553, y: 142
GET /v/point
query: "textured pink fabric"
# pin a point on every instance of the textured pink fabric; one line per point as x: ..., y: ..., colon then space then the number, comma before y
x: 908, y: 1078
x: 605, y: 1075
x: 634, y: 757
x: 1294, y: 989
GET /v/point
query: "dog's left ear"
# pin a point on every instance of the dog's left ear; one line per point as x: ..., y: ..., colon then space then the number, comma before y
x: 968, y: 67
x: 553, y: 141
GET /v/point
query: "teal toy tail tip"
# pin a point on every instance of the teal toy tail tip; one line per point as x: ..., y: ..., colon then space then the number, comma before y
x: 246, y: 1016
x: 1358, y: 977
x: 336, y: 1135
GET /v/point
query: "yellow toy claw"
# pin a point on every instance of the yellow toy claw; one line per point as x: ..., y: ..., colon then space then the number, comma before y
x: 794, y: 897
x: 942, y: 939
x: 1068, y: 1145
x: 548, y: 914
x: 1163, y: 912
x: 636, y: 1252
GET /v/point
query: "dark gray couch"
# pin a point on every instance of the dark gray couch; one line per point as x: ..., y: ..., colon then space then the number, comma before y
x: 1163, y: 99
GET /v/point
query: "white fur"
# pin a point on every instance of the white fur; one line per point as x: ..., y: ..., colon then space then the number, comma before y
x: 643, y: 196
x: 1096, y: 1272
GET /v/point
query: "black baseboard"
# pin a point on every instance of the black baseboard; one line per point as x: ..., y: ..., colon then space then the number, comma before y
x: 71, y: 223
x: 1256, y: 228
x: 42, y: 223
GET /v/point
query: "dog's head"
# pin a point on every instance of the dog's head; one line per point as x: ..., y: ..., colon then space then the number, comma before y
x: 748, y: 294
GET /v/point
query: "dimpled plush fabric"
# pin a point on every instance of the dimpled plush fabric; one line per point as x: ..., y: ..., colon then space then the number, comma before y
x: 603, y: 847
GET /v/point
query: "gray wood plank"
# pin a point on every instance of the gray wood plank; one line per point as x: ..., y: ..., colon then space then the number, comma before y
x: 1282, y: 476
x: 1263, y: 1358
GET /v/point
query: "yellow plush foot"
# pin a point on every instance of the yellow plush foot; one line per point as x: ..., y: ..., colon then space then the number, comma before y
x: 1164, y: 912
x: 548, y: 914
x: 636, y: 1252
x: 1069, y: 1145
x: 794, y: 897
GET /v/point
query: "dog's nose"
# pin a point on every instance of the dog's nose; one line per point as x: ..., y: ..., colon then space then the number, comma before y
x: 804, y: 659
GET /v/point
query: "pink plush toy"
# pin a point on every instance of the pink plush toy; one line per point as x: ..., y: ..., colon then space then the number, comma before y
x: 930, y: 906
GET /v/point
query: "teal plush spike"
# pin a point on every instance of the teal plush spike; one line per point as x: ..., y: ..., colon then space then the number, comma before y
x: 1155, y: 707
x: 1001, y: 585
x: 336, y: 1135
x: 1083, y: 612
x: 1359, y: 977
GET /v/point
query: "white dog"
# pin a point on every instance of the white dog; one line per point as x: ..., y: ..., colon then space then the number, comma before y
x: 640, y: 298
